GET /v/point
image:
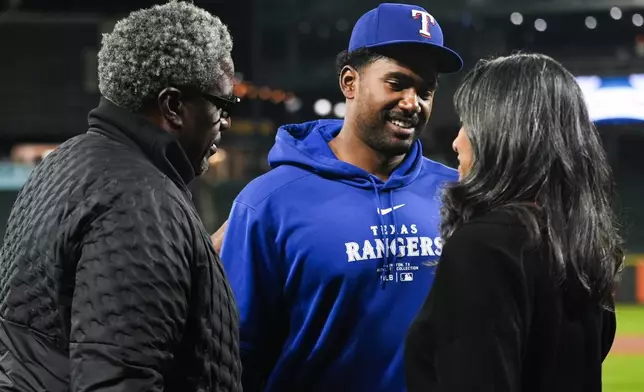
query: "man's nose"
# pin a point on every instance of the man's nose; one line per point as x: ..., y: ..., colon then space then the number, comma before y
x: 226, y: 122
x: 410, y: 102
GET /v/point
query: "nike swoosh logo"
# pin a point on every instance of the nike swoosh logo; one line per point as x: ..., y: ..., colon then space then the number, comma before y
x: 385, y: 211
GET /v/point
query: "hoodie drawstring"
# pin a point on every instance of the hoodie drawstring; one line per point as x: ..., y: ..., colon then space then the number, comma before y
x: 384, y: 267
x: 383, y: 237
x: 393, y: 214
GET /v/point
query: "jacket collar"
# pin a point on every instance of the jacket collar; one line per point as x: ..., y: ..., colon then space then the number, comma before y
x: 156, y: 144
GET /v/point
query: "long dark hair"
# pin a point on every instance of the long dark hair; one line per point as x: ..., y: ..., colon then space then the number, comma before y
x: 536, y: 152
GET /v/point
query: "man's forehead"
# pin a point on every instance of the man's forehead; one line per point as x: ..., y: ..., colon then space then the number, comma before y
x: 414, y: 58
x: 228, y: 66
x: 224, y: 84
x: 223, y: 87
x: 224, y: 81
x: 390, y: 66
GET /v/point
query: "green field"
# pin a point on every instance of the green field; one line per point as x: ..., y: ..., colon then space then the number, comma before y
x: 630, y: 321
x: 625, y: 373
x: 633, y: 259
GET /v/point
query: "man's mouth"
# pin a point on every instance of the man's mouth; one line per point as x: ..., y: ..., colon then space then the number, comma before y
x: 213, y: 146
x: 401, y: 125
x: 405, y: 124
x: 400, y: 120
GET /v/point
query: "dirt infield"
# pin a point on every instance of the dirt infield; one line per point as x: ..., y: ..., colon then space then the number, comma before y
x: 628, y: 345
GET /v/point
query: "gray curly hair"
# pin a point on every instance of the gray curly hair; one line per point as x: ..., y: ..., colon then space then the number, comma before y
x: 174, y: 44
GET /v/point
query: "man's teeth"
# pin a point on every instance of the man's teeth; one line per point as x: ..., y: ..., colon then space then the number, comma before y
x: 401, y: 124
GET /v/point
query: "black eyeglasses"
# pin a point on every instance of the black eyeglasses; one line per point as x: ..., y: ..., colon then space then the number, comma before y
x: 227, y: 105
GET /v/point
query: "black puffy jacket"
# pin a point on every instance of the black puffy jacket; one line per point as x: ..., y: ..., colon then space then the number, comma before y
x: 109, y: 280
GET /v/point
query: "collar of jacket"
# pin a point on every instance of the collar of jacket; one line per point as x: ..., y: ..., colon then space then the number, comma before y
x: 159, y: 146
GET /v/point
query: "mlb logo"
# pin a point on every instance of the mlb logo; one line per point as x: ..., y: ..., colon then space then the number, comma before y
x: 407, y: 277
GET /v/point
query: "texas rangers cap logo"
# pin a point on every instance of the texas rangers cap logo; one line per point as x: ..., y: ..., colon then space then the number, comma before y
x: 426, y: 20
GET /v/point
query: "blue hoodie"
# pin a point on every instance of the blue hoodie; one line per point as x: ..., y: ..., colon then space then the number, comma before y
x: 329, y: 265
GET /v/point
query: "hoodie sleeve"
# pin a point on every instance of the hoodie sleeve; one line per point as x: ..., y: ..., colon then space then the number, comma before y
x: 254, y: 270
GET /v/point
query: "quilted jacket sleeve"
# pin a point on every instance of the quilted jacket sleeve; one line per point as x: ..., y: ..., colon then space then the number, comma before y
x: 130, y: 303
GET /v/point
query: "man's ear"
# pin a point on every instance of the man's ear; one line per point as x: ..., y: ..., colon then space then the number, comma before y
x: 171, y: 106
x: 348, y: 80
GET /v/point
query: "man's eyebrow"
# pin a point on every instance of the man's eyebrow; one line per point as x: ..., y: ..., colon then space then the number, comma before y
x: 399, y: 75
x: 429, y: 83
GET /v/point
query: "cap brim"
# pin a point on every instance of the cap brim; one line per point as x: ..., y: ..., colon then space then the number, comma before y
x: 445, y: 59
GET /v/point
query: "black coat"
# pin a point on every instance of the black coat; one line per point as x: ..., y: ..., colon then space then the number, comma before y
x: 109, y: 280
x: 496, y: 320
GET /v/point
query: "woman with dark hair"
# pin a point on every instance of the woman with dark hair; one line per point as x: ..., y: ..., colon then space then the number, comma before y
x: 522, y: 299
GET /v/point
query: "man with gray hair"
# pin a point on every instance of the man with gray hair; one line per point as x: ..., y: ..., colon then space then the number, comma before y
x: 108, y: 278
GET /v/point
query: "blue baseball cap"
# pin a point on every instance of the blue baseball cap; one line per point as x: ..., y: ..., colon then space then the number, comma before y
x: 391, y: 24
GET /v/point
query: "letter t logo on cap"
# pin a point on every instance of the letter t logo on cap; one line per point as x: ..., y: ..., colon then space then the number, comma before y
x: 426, y: 19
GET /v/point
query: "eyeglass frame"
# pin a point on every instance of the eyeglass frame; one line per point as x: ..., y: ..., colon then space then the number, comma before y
x: 226, y: 105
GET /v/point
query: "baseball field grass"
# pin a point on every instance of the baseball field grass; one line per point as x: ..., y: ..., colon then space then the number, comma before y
x: 624, y: 367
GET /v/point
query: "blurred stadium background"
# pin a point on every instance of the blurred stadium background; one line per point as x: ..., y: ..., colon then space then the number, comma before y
x: 284, y: 54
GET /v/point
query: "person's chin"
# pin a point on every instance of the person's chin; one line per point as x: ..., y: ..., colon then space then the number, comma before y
x: 463, y: 171
x: 399, y: 147
x: 399, y: 132
x: 204, y: 165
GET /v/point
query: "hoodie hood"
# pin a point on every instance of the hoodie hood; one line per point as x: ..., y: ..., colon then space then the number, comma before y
x: 306, y: 146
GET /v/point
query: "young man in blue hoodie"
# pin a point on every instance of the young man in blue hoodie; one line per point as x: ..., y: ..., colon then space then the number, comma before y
x: 331, y: 253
